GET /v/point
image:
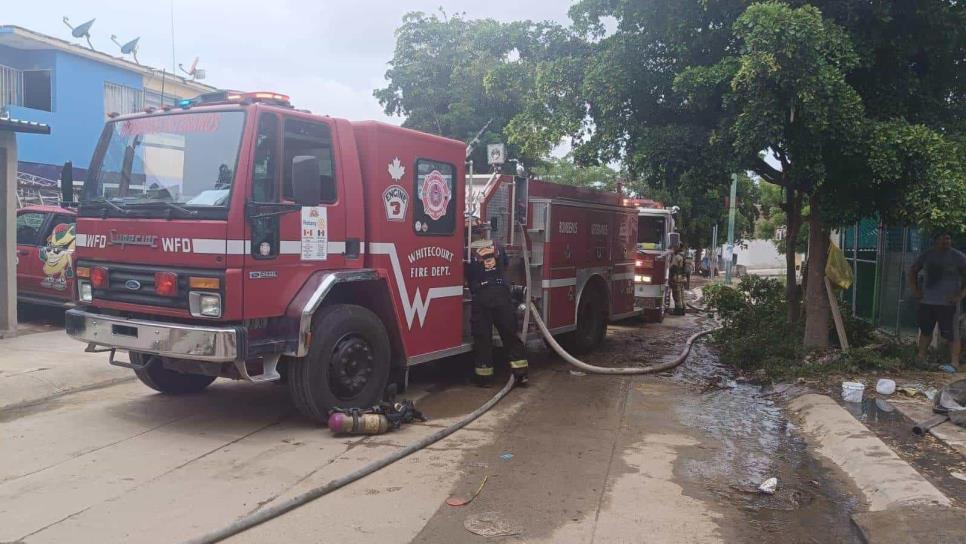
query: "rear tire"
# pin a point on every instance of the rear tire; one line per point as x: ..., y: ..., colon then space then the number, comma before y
x: 591, y: 322
x: 347, y: 365
x: 166, y: 381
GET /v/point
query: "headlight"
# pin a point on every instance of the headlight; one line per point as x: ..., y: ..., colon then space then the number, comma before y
x: 642, y: 279
x: 211, y: 305
x: 84, y: 291
x: 204, y: 304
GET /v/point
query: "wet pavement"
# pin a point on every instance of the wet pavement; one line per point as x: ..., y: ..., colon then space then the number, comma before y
x: 588, y: 449
x: 756, y: 442
x: 674, y: 457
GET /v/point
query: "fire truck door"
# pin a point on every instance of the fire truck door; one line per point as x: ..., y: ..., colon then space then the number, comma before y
x: 286, y: 248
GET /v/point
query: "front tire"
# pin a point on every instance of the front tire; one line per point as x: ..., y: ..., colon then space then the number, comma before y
x: 170, y: 382
x: 347, y: 365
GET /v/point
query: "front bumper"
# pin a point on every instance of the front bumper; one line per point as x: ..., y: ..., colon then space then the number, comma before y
x: 194, y: 342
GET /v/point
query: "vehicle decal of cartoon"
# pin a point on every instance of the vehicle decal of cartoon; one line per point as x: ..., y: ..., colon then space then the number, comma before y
x: 56, y: 256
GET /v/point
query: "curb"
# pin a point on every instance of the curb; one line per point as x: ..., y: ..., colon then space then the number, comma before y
x: 934, y: 525
x: 885, y: 480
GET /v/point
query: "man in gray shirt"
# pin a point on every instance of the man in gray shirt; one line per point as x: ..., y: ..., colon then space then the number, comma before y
x: 944, y: 286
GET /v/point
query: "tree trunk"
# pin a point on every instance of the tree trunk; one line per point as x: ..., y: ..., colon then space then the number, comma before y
x: 793, y: 213
x: 816, y: 300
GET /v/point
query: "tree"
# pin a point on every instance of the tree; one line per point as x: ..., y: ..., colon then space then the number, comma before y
x: 692, y: 90
x: 454, y: 76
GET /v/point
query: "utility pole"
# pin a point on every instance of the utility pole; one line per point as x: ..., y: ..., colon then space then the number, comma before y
x: 713, y: 258
x: 729, y: 255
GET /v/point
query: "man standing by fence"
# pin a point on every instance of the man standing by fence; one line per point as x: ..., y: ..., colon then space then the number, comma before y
x: 944, y: 286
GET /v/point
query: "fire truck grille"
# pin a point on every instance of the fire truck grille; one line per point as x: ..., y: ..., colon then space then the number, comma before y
x: 135, y: 285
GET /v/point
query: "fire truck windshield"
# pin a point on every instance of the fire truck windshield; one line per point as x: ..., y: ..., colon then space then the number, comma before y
x: 650, y: 232
x: 176, y: 161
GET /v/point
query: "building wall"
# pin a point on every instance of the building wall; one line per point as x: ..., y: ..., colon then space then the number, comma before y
x: 78, y: 104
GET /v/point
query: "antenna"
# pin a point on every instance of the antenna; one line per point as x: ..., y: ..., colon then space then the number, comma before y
x: 130, y: 48
x: 81, y: 31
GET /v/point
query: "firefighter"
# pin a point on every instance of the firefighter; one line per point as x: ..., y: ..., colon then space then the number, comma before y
x: 493, y: 306
x: 677, y: 279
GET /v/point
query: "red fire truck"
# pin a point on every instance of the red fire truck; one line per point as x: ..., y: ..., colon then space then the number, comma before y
x: 655, y: 242
x: 235, y: 236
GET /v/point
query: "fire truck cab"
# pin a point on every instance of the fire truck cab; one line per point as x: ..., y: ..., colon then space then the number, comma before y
x: 656, y: 239
x: 235, y: 236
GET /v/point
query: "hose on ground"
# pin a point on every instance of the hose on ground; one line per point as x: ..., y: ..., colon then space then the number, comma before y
x: 577, y: 362
x: 615, y: 370
x: 261, y: 516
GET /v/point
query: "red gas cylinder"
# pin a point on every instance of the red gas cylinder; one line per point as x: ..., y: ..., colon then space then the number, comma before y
x: 343, y: 423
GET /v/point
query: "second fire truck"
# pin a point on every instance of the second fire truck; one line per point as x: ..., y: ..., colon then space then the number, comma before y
x: 235, y: 236
x: 656, y: 238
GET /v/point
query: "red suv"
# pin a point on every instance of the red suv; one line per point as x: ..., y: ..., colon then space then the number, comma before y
x: 45, y: 253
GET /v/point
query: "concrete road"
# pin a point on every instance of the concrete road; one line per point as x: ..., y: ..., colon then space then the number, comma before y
x: 594, y: 459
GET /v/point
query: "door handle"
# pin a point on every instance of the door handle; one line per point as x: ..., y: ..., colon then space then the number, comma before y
x: 353, y: 248
x: 23, y: 252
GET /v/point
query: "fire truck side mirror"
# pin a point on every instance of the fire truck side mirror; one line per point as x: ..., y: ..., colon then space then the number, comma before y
x: 306, y: 180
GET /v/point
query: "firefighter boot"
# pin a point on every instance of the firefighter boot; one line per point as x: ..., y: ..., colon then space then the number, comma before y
x: 519, y: 368
x: 483, y: 375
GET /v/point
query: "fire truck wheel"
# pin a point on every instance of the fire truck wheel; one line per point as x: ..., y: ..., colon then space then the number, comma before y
x: 347, y: 365
x: 591, y: 323
x: 170, y: 382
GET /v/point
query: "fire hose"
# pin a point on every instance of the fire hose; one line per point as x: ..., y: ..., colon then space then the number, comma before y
x: 271, y: 512
x: 650, y: 369
x: 274, y: 511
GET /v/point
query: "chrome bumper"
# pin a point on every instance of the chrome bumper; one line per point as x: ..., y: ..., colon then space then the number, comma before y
x: 199, y: 343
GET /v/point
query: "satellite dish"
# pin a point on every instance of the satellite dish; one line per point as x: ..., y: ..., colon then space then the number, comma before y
x: 130, y: 48
x: 193, y: 70
x: 81, y: 31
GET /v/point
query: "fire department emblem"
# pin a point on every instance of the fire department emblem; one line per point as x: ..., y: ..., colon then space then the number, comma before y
x: 396, y: 201
x: 435, y: 194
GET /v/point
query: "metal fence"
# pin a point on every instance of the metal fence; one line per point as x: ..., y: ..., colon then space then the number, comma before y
x: 880, y: 257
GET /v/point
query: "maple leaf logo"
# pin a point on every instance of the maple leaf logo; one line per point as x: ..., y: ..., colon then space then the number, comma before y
x: 396, y: 169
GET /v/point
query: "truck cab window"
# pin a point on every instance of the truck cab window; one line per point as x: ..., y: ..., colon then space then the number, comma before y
x: 29, y: 225
x: 314, y: 139
x: 435, y: 203
x: 264, y: 166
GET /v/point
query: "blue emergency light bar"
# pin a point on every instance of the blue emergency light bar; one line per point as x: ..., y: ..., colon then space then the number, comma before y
x: 235, y: 97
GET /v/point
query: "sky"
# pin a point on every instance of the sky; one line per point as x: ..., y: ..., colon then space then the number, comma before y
x: 327, y: 55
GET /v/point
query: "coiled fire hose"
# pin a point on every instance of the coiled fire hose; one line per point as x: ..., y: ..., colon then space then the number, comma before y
x: 274, y: 511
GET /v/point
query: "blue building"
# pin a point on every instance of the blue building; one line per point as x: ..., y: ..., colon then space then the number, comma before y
x: 73, y: 89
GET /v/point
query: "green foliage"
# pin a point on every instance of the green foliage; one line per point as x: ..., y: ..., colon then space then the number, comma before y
x: 450, y: 75
x: 923, y: 171
x: 757, y: 337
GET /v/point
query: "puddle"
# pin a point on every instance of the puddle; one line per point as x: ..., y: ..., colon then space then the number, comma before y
x: 930, y: 457
x: 748, y: 441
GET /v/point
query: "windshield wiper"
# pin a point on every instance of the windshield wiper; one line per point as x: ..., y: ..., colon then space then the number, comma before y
x: 170, y: 206
x: 107, y: 203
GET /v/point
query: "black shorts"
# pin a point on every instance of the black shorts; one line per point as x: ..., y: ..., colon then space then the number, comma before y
x: 930, y: 314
